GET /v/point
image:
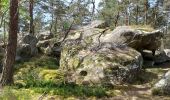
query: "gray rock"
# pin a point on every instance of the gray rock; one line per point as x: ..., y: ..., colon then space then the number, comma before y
x: 45, y: 35
x: 162, y: 56
x: 27, y: 47
x: 107, y: 65
x: 24, y: 50
x: 49, y: 47
x: 30, y: 39
x: 93, y: 56
x: 135, y: 38
x: 162, y: 87
x: 97, y: 24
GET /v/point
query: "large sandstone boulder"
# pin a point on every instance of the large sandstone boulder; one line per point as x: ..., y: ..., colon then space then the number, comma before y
x: 89, y: 61
x: 162, y: 87
x: 27, y: 47
x: 109, y: 65
x: 135, y: 38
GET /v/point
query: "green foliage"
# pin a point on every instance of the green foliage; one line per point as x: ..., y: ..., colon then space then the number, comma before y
x: 38, y: 72
x: 109, y: 11
x: 67, y: 90
x: 40, y: 62
x: 34, y: 76
x: 9, y: 93
x: 5, y: 4
x: 66, y: 25
x: 56, y: 76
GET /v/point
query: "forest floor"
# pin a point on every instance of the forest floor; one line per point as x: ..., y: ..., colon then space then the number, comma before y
x: 132, y: 92
x: 28, y: 87
x: 143, y: 91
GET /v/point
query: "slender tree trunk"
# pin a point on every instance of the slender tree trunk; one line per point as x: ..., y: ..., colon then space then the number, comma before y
x: 52, y: 17
x: 93, y: 9
x: 8, y: 68
x: 55, y: 25
x: 4, y: 34
x: 146, y: 11
x: 117, y: 19
x: 0, y: 7
x: 127, y: 18
x: 31, y: 5
x: 156, y: 12
x: 137, y: 14
x: 1, y: 12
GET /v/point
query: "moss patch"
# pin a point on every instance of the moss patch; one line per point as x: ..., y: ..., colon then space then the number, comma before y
x: 56, y: 76
x: 38, y: 72
x: 40, y: 62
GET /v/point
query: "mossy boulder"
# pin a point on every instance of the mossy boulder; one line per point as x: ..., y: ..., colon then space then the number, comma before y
x: 93, y: 55
x: 108, y: 65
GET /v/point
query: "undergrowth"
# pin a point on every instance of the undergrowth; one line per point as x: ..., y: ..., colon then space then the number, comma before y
x: 42, y: 75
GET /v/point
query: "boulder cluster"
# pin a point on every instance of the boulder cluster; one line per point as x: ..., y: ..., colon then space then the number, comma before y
x: 94, y: 55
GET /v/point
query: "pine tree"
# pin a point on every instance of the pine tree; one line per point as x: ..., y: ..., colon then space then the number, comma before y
x: 8, y: 69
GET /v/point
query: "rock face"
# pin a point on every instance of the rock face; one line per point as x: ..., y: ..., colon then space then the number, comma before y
x: 162, y: 87
x: 27, y: 47
x: 137, y: 39
x: 89, y: 59
x: 49, y: 47
x: 109, y: 65
x: 97, y: 24
x: 160, y: 57
x: 45, y: 35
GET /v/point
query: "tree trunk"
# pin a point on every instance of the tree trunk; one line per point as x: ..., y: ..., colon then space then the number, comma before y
x: 146, y: 11
x: 52, y: 17
x: 8, y: 68
x: 117, y: 19
x: 93, y: 9
x: 55, y: 24
x: 127, y: 18
x: 156, y: 13
x: 137, y: 14
x: 31, y: 17
x: 0, y: 7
